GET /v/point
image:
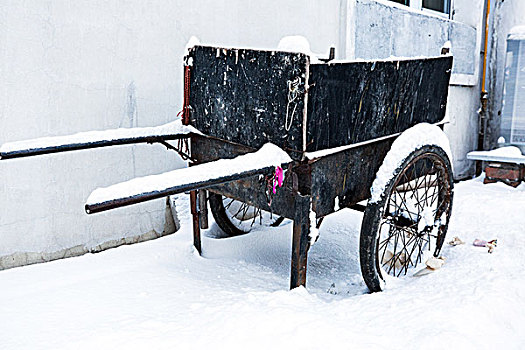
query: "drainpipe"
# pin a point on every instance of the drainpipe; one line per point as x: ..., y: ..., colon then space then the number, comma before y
x: 484, y: 94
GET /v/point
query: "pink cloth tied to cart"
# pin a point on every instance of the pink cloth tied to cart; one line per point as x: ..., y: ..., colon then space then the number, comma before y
x: 278, y: 178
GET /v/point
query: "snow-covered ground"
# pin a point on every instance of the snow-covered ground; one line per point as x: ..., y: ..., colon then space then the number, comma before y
x: 161, y: 294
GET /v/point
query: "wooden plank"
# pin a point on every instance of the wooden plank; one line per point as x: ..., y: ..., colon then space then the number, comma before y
x: 201, y: 176
x: 358, y: 101
x: 195, y: 221
x: 300, y: 241
x: 346, y: 175
x: 243, y: 96
x: 251, y: 190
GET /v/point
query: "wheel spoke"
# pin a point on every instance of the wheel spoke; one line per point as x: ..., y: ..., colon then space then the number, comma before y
x: 227, y: 206
x: 236, y: 217
x: 241, y: 208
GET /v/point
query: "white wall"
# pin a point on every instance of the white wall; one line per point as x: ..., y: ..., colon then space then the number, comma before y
x: 69, y: 66
x: 464, y: 100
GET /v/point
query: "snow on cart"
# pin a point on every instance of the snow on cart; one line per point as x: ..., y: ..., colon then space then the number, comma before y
x: 271, y: 135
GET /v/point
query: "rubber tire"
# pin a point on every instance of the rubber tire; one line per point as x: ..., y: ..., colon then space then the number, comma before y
x: 223, y: 219
x: 369, y: 260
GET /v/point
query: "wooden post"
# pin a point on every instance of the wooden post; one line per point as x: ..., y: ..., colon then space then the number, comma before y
x: 300, y: 242
x: 196, y: 227
x: 203, y: 209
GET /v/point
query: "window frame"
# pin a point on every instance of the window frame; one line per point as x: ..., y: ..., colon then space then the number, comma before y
x: 418, y: 5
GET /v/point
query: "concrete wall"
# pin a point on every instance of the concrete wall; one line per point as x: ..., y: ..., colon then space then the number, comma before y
x: 464, y: 93
x: 382, y: 31
x: 69, y: 66
x: 505, y: 15
x: 378, y: 29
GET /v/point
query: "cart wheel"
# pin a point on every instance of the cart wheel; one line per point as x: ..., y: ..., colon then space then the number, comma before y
x: 409, y: 222
x: 237, y: 218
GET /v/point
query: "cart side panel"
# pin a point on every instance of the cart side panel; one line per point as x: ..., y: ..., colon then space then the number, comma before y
x: 244, y: 96
x: 346, y: 175
x: 359, y: 101
x: 254, y: 190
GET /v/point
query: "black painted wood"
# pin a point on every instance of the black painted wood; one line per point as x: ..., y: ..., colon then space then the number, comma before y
x: 175, y: 189
x: 359, y: 101
x: 300, y: 241
x: 346, y: 175
x: 252, y: 190
x: 242, y: 96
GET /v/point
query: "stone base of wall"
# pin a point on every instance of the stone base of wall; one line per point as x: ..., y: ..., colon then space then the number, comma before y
x: 28, y: 258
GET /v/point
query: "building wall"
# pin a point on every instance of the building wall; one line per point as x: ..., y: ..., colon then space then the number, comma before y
x: 74, y: 66
x: 67, y: 67
x: 379, y: 29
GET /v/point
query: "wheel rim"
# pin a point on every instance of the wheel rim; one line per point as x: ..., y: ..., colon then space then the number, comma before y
x: 414, y: 217
x: 237, y: 218
x: 245, y: 216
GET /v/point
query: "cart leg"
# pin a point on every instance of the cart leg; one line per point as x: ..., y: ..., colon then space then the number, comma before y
x: 196, y: 227
x: 203, y: 209
x: 300, y: 243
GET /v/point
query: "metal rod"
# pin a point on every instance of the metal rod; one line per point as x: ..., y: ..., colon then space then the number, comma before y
x: 88, y: 145
x: 358, y: 207
x: 414, y: 185
x: 179, y: 150
x: 122, y: 202
x: 485, y: 44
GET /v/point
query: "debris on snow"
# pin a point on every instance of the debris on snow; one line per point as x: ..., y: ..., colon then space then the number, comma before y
x: 491, y: 245
x: 456, y: 241
x: 493, y: 242
x: 479, y: 243
x: 433, y: 264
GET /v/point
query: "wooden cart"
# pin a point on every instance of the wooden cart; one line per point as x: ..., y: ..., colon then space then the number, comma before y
x: 337, y: 122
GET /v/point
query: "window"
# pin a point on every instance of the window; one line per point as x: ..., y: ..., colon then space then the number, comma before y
x: 437, y: 5
x: 513, y: 116
x: 402, y: 2
x: 440, y: 6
